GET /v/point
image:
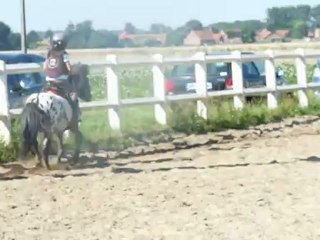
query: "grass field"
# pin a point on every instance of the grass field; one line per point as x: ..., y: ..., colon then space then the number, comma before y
x: 139, y: 121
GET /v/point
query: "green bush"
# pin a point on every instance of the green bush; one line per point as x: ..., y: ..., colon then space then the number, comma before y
x: 291, y: 73
x: 9, y: 153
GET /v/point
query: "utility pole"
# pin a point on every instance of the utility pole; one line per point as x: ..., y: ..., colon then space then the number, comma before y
x: 23, y: 28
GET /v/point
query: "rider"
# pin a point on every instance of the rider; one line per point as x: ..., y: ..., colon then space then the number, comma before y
x: 58, y: 70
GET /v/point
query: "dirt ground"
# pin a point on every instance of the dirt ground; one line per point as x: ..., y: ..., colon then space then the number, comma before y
x: 267, y: 188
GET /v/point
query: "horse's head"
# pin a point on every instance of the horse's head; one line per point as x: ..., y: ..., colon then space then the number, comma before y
x: 80, y: 76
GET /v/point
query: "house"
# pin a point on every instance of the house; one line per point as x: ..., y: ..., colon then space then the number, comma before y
x: 144, y: 39
x: 314, y: 34
x: 262, y: 35
x: 282, y: 33
x: 267, y: 36
x: 235, y: 40
x: 234, y: 36
x: 202, y: 37
x: 317, y: 33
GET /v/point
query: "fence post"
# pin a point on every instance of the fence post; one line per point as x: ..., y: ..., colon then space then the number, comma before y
x: 5, y: 125
x: 271, y: 80
x: 113, y: 91
x: 302, y: 77
x: 159, y: 89
x: 237, y: 76
x: 201, y: 83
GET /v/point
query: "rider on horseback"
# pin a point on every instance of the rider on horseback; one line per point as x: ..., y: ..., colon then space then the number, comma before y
x: 58, y: 70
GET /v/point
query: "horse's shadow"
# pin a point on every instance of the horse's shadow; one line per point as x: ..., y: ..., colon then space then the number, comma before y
x: 310, y: 159
x: 86, y: 162
x: 23, y: 169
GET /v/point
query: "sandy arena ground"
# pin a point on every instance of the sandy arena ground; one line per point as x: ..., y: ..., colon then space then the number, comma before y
x: 268, y: 188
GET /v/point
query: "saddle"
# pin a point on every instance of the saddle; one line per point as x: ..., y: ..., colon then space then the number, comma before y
x: 58, y: 90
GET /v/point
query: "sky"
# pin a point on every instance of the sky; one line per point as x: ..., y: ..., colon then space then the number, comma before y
x: 113, y: 14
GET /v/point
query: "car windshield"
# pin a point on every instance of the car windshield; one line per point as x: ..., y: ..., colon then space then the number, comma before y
x: 219, y: 68
x: 29, y: 79
x: 260, y: 65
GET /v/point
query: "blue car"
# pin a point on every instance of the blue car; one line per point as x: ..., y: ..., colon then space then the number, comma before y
x: 32, y: 82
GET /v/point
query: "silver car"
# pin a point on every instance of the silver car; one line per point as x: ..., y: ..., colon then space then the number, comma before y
x: 316, y: 76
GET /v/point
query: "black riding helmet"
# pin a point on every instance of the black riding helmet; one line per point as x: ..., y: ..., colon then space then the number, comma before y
x: 59, y: 42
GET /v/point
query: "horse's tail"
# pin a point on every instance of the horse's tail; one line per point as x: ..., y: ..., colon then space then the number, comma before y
x: 31, y: 118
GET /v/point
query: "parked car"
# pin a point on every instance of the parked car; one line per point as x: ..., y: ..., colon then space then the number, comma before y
x: 31, y: 82
x: 316, y: 76
x: 219, y: 76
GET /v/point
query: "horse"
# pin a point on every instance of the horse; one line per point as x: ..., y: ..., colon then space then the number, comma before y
x: 50, y: 113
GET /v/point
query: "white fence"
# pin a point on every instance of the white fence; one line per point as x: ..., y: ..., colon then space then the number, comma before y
x: 160, y: 99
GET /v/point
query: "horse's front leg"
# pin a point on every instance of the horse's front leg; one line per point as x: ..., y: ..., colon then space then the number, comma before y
x: 78, y: 141
x: 60, y: 146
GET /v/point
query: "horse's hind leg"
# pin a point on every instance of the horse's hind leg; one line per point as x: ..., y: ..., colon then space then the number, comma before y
x: 35, y: 149
x: 46, y: 151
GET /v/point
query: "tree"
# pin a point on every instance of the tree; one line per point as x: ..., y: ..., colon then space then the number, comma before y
x: 251, y: 24
x: 15, y: 40
x: 286, y: 17
x: 5, y: 33
x: 103, y: 39
x: 70, y: 29
x: 8, y: 39
x: 79, y: 34
x: 152, y: 43
x: 214, y: 29
x: 299, y: 29
x: 176, y: 37
x: 248, y: 35
x: 48, y: 34
x: 158, y: 28
x: 315, y: 13
x: 279, y: 18
x: 84, y: 29
x: 129, y: 28
x: 112, y: 40
x: 303, y: 12
x: 232, y: 33
x: 194, y: 25
x: 32, y: 39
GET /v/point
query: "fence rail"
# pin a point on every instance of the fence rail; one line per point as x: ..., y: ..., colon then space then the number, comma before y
x: 160, y: 99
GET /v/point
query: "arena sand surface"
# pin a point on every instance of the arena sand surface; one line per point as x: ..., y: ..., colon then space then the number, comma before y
x: 265, y: 188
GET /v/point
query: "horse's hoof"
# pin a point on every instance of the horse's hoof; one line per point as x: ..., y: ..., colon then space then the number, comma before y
x: 74, y: 163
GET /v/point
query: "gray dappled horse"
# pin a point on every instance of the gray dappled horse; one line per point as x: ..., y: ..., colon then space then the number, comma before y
x: 50, y: 113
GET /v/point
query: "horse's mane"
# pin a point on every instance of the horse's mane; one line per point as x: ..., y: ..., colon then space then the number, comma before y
x: 80, y: 69
x: 80, y: 72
